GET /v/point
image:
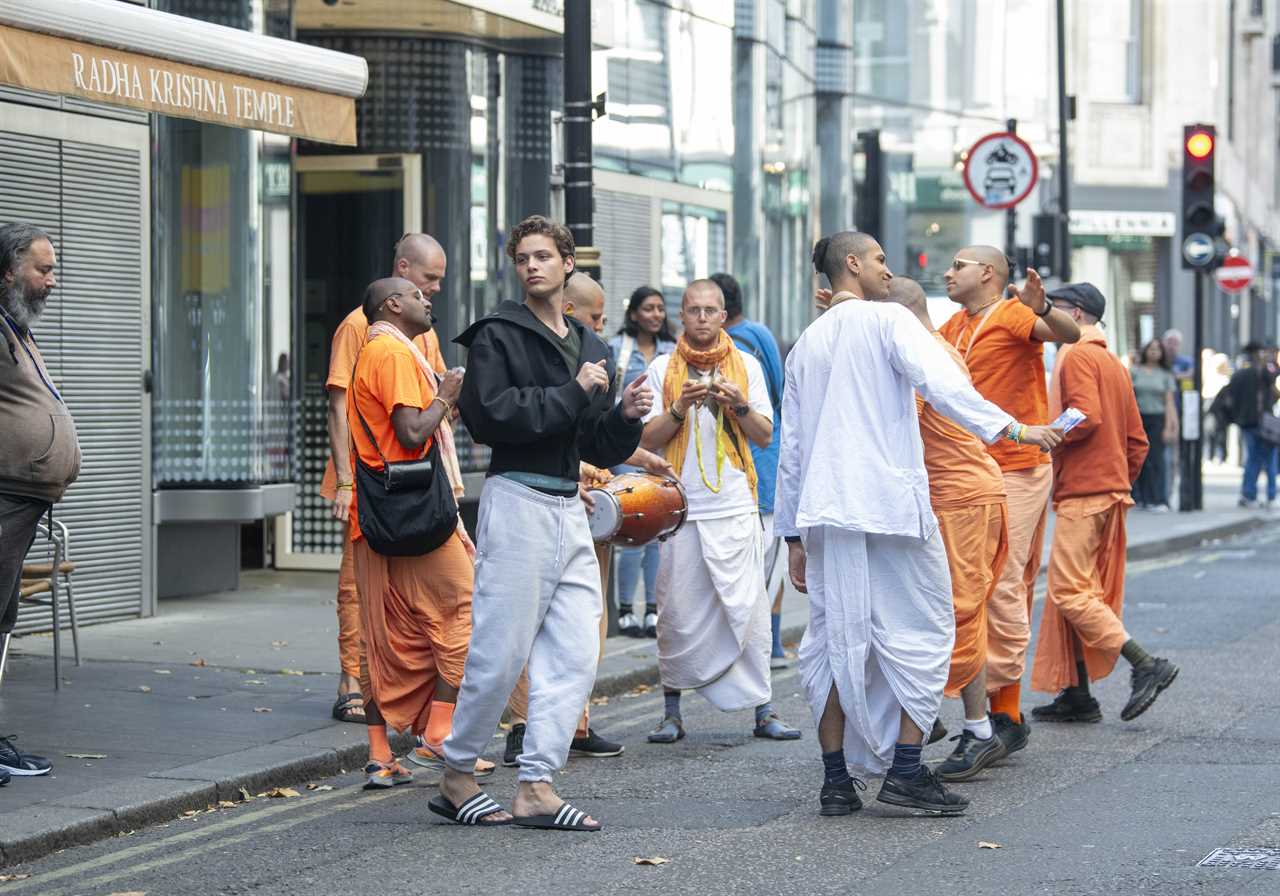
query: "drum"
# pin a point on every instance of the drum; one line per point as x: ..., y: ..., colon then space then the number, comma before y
x: 635, y: 508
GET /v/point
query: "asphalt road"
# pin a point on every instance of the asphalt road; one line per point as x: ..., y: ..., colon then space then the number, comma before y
x: 1113, y: 808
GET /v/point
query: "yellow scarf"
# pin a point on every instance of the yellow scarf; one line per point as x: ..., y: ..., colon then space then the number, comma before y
x: 725, y: 358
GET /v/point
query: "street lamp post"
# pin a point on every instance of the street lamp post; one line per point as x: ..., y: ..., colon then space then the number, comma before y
x: 578, y: 108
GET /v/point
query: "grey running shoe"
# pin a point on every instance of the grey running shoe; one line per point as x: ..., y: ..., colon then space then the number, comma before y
x: 1015, y: 737
x: 595, y: 746
x: 1147, y: 683
x: 971, y: 756
x: 19, y: 764
x: 924, y: 792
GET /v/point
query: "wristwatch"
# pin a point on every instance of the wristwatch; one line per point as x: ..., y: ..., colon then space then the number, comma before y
x: 742, y: 410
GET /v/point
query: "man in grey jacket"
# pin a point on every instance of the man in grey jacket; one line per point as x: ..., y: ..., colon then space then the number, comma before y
x: 41, y: 455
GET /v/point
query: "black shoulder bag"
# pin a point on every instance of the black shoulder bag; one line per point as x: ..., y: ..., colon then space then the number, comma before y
x: 407, y: 509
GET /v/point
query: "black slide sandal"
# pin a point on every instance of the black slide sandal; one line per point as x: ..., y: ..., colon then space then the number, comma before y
x: 566, y: 818
x: 472, y: 812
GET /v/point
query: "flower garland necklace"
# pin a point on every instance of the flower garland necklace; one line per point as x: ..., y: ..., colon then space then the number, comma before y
x: 720, y: 453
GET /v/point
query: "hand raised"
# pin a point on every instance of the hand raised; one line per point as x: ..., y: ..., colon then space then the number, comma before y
x: 592, y: 376
x: 1032, y: 292
x: 637, y: 399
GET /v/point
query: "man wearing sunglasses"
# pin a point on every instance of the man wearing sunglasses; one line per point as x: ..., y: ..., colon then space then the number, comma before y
x: 419, y: 259
x: 1001, y: 340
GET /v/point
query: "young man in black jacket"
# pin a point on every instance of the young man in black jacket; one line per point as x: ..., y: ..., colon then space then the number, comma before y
x: 539, y: 392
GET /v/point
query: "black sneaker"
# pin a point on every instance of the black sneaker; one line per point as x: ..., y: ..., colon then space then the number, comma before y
x: 924, y: 792
x: 971, y: 756
x: 23, y: 765
x: 936, y: 733
x: 515, y: 746
x: 595, y: 746
x: 1015, y: 737
x: 4, y: 777
x: 840, y: 799
x: 1069, y: 706
x: 1147, y: 683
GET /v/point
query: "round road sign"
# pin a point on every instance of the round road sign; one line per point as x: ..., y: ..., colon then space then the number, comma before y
x: 1198, y: 249
x: 1000, y: 170
x: 1236, y: 273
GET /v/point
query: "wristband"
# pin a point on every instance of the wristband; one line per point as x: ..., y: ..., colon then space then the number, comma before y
x: 346, y: 485
x: 679, y: 418
x: 742, y: 410
x: 1045, y: 313
x: 448, y: 406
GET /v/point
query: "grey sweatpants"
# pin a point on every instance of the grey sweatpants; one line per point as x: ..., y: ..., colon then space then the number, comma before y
x: 536, y: 601
x: 19, y: 517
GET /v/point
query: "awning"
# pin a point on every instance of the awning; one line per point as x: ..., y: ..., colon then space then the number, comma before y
x: 126, y: 55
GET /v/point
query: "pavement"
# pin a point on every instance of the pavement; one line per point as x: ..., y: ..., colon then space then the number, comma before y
x: 224, y: 696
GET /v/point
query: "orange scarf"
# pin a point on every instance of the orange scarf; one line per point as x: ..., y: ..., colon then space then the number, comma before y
x: 727, y: 360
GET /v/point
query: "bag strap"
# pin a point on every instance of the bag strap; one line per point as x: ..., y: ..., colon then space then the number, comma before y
x: 351, y: 396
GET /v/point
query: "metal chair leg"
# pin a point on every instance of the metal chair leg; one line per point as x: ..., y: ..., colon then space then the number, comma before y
x: 71, y: 611
x: 57, y: 621
x: 4, y: 654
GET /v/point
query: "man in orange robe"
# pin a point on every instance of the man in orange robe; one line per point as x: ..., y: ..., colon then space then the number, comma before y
x: 966, y: 491
x: 1002, y: 343
x: 1081, y: 633
x: 420, y: 260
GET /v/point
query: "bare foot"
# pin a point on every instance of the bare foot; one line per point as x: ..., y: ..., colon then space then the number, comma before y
x: 458, y: 787
x: 538, y: 798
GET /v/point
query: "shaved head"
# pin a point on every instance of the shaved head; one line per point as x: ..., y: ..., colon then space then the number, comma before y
x: 376, y: 294
x: 830, y: 252
x: 416, y: 248
x: 990, y: 255
x: 700, y: 287
x: 584, y: 300
x: 910, y: 295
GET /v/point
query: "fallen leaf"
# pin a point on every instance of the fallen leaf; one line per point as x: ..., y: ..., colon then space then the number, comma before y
x: 145, y: 689
x: 189, y: 813
x: 599, y: 701
x: 201, y: 663
x: 983, y: 844
x: 254, y: 681
x: 282, y: 792
x: 7, y: 877
x: 653, y: 860
x: 262, y: 709
x: 278, y: 644
x: 244, y: 794
x: 163, y: 671
x: 226, y: 804
x: 319, y: 787
x: 291, y: 672
x: 85, y: 755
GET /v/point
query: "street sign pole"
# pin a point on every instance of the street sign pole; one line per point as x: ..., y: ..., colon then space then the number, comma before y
x: 1011, y: 218
x: 1191, y: 491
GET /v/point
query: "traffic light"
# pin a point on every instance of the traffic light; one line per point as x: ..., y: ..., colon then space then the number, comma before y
x: 1201, y: 224
x: 1044, y: 245
x: 868, y: 210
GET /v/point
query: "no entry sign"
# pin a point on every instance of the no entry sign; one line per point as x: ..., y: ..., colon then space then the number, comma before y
x: 1000, y: 170
x: 1236, y: 273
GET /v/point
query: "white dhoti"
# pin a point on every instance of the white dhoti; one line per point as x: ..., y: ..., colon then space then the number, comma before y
x: 881, y: 629
x: 775, y: 558
x: 713, y: 612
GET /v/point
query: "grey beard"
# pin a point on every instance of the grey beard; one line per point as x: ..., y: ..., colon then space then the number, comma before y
x: 24, y: 308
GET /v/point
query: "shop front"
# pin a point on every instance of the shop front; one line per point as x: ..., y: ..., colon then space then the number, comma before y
x: 155, y: 149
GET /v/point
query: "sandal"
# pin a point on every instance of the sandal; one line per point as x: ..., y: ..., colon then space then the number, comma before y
x: 566, y: 818
x: 349, y: 707
x: 668, y: 732
x: 472, y: 812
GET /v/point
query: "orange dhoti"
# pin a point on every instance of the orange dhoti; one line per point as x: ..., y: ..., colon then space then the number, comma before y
x: 1086, y: 593
x: 349, y: 647
x: 976, y: 541
x: 415, y: 613
x: 518, y: 704
x: 1009, y: 610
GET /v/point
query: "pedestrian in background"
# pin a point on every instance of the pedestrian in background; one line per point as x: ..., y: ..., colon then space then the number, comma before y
x: 41, y: 453
x: 645, y: 334
x: 756, y: 340
x: 1253, y: 392
x: 1154, y: 387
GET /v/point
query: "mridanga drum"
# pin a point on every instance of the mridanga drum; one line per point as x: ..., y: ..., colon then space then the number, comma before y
x: 635, y: 508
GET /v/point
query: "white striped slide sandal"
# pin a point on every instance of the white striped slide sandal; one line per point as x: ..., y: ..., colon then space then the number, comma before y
x: 566, y: 818
x: 473, y: 811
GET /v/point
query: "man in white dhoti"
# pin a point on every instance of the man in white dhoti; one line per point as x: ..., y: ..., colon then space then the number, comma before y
x: 713, y: 611
x: 853, y: 504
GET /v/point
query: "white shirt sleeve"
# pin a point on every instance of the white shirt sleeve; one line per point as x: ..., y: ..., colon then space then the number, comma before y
x: 787, y: 497
x: 757, y: 387
x: 656, y: 373
x: 915, y: 354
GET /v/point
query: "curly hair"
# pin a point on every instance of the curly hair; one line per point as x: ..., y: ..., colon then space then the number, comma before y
x: 538, y: 225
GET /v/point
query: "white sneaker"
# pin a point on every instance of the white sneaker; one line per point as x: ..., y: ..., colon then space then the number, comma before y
x: 651, y: 625
x: 628, y: 624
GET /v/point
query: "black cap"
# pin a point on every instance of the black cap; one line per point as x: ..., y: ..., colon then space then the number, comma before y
x: 1084, y: 296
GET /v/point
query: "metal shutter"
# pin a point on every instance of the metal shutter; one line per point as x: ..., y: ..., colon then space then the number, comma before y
x: 89, y: 198
x: 625, y: 237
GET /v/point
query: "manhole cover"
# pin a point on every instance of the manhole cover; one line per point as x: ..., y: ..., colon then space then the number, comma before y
x: 1259, y: 859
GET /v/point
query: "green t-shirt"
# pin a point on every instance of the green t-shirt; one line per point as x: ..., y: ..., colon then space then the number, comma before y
x: 1150, y: 387
x: 570, y: 346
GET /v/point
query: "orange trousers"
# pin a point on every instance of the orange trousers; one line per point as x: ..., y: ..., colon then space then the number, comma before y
x: 1086, y: 597
x: 416, y: 616
x: 1009, y: 609
x: 976, y: 539
x: 348, y: 611
x: 518, y: 704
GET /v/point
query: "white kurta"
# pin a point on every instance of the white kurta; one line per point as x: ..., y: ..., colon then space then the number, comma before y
x: 852, y: 484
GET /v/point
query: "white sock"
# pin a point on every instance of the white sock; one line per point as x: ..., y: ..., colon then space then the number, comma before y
x: 981, y: 728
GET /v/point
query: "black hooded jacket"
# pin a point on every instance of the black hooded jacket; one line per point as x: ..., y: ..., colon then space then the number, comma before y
x: 519, y: 398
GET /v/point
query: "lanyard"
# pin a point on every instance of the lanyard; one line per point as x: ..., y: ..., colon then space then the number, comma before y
x: 40, y: 370
x: 976, y: 330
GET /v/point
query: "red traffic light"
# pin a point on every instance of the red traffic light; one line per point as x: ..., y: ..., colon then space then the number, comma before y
x: 1199, y: 145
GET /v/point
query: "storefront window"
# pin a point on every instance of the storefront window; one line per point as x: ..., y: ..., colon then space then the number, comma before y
x: 222, y: 232
x: 694, y: 244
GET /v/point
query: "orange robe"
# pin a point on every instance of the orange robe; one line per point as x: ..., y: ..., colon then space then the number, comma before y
x: 347, y: 340
x: 415, y: 612
x: 967, y: 494
x: 1093, y: 472
x: 1007, y: 365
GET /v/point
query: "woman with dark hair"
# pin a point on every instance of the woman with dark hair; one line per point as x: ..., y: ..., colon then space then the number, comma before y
x: 645, y: 334
x: 1154, y: 385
